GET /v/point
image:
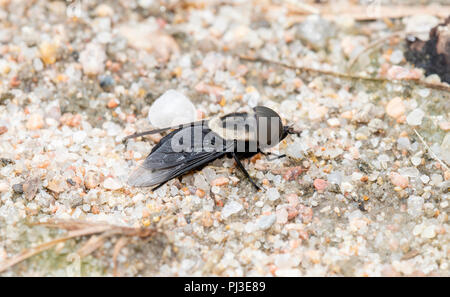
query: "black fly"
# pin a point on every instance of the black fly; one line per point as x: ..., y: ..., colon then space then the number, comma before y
x: 239, y: 135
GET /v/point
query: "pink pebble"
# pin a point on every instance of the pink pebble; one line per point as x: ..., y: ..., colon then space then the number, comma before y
x: 292, y: 199
x: 220, y: 181
x: 320, y: 184
x: 399, y: 180
x: 395, y: 108
x: 35, y: 122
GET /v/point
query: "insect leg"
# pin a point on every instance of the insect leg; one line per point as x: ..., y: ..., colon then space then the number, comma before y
x: 272, y: 154
x: 242, y: 168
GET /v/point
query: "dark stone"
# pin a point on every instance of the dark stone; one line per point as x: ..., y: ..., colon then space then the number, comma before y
x: 18, y: 188
x: 432, y: 55
x: 106, y: 82
x: 5, y: 161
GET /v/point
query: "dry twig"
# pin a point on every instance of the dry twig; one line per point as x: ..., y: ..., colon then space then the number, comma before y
x: 371, y: 46
x: 120, y: 244
x: 371, y: 12
x: 441, y: 87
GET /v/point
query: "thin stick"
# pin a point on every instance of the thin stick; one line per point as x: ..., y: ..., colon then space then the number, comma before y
x: 375, y: 11
x: 441, y: 87
x: 371, y: 46
x: 430, y: 150
x: 120, y: 244
x: 83, y: 225
x: 377, y: 42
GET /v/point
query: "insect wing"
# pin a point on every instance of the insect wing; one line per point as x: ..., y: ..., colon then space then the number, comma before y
x: 169, y: 152
x: 166, y: 161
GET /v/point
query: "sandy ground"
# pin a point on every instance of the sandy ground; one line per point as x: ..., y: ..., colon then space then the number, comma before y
x: 360, y: 194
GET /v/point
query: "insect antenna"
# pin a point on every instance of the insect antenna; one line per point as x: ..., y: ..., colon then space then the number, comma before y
x: 135, y: 135
x: 160, y: 130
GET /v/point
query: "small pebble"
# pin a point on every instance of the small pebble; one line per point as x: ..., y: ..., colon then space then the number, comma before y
x: 429, y: 232
x: 79, y: 136
x: 320, y: 184
x: 333, y: 122
x: 398, y: 72
x: 18, y: 188
x: 200, y: 193
x: 273, y: 194
x: 315, y: 31
x: 112, y: 184
x: 335, y: 177
x: 265, y: 222
x: 113, y: 103
x: 282, y: 216
x: 292, y: 212
x: 48, y: 52
x: 292, y: 173
x: 425, y: 179
x: 75, y: 201
x: 292, y: 199
x: 436, y: 179
x: 399, y: 180
x: 395, y: 108
x: 4, y: 187
x: 424, y: 93
x: 143, y: 36
x: 220, y: 181
x: 104, y: 10
x: 57, y: 185
x: 396, y: 57
x: 92, y: 59
x: 416, y: 161
x: 37, y: 64
x: 30, y: 187
x: 92, y: 180
x: 200, y: 182
x: 106, y: 82
x: 171, y: 108
x: 415, y: 117
x: 215, y: 189
x: 444, y: 125
x: 346, y: 187
x: 404, y: 143
x: 35, y: 122
x: 207, y: 220
x: 231, y: 208
x: 415, y: 205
